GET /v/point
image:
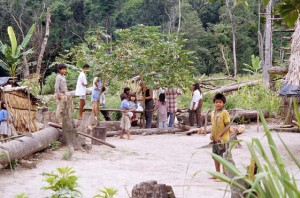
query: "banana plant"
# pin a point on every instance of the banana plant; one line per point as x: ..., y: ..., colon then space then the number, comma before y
x: 256, y: 65
x: 12, y: 56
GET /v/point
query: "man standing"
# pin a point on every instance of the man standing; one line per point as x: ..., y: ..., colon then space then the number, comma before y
x: 171, y: 98
x: 81, y: 89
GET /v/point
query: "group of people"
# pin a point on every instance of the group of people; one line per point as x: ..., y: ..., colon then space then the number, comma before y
x: 162, y: 101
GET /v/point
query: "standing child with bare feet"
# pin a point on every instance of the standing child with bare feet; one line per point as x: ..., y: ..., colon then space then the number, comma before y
x: 81, y: 89
x: 60, y: 90
x: 162, y: 111
x: 5, y: 132
x: 220, y: 120
x: 126, y: 115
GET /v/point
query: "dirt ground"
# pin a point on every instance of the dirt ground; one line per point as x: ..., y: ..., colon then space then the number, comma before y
x: 164, y: 158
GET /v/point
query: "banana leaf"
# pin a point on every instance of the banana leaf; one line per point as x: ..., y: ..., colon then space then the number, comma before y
x: 13, y: 40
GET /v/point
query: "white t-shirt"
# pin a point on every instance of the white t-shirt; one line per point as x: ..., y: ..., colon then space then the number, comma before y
x: 157, y: 92
x: 80, y: 89
x: 196, y: 97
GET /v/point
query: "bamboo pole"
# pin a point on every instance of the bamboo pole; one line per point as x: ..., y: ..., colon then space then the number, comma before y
x: 29, y: 112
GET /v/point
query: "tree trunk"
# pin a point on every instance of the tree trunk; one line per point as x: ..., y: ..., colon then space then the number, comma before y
x: 223, y: 56
x: 69, y: 134
x: 233, y: 38
x: 24, y: 146
x: 268, y: 45
x: 152, y: 189
x: 234, y: 87
x: 293, y: 76
x: 43, y: 47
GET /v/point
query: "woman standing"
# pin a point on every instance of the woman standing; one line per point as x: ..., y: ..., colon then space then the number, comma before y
x: 148, y: 103
x: 196, y: 104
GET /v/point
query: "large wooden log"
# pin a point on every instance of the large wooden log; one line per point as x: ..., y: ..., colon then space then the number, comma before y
x: 234, y: 87
x: 23, y: 146
x: 234, y: 114
x: 278, y: 70
x: 146, y: 131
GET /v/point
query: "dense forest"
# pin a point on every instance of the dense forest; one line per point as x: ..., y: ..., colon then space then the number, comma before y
x: 206, y: 26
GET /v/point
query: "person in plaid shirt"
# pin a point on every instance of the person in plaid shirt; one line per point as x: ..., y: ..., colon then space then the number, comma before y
x: 171, y: 98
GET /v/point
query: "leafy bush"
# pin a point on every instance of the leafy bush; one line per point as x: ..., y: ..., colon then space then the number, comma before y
x: 66, y: 154
x: 54, y: 145
x: 63, y: 185
x: 22, y: 195
x: 272, y: 180
x: 48, y: 87
x: 107, y: 193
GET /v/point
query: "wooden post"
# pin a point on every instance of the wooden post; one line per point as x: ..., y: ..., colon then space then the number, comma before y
x: 46, y: 119
x: 7, y: 114
x: 29, y: 112
x: 99, y: 133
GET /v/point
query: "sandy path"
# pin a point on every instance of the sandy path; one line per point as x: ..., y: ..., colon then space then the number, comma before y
x: 158, y: 157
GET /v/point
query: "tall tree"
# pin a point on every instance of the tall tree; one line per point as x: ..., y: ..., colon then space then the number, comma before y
x: 233, y: 38
x: 268, y: 45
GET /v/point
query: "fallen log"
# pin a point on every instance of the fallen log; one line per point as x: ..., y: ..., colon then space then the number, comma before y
x: 234, y: 114
x: 146, y: 131
x: 23, y: 146
x: 278, y: 70
x: 226, y: 89
x: 152, y: 189
x: 292, y: 130
x: 215, y: 79
x: 89, y: 91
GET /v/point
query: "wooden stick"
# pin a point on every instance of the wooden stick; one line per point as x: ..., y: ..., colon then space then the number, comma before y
x: 13, y: 137
x: 29, y: 112
x: 7, y: 114
x: 291, y: 30
x: 205, y: 125
x: 96, y: 139
x: 257, y: 121
x: 214, y: 79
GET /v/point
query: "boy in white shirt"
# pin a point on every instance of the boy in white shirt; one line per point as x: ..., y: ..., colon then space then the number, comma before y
x: 158, y: 90
x: 81, y: 89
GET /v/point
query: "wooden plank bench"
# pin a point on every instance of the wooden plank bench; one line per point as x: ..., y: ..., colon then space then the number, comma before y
x: 104, y: 109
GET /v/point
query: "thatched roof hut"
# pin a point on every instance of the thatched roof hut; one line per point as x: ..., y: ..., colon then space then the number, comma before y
x: 18, y: 107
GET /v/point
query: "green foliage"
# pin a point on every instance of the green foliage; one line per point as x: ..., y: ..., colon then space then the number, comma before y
x: 273, y: 178
x: 2, y: 155
x: 13, y: 164
x: 63, y: 184
x: 22, y: 195
x: 256, y: 65
x: 13, y: 54
x: 48, y: 88
x: 107, y: 192
x: 66, y: 154
x: 54, y: 145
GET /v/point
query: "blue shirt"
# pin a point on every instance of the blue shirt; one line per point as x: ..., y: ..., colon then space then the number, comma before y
x: 132, y: 105
x: 125, y: 105
x: 3, y: 115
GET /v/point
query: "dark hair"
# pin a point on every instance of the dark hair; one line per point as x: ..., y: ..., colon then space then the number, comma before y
x: 2, y: 104
x: 123, y: 96
x: 220, y: 96
x: 61, y: 66
x: 86, y: 66
x: 132, y: 95
x: 162, y: 98
x: 197, y: 86
x: 126, y: 89
x: 103, y: 89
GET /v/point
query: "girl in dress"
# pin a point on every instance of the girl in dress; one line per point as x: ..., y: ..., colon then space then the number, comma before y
x: 5, y: 131
x: 162, y: 111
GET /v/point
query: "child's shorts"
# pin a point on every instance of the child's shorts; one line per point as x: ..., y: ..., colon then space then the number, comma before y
x: 82, y: 97
x: 217, y: 150
x: 125, y: 122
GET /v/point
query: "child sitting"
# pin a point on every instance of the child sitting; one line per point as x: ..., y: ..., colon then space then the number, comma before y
x: 220, y: 120
x: 162, y: 111
x: 133, y: 104
x: 5, y: 131
x: 126, y: 115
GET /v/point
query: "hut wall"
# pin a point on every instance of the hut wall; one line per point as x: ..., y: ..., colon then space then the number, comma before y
x: 286, y: 106
x: 19, y: 110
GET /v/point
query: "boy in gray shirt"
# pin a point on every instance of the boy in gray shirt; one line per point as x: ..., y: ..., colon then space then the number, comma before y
x: 60, y: 90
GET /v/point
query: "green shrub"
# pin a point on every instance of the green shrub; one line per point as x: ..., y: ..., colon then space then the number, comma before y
x: 66, y: 154
x: 48, y: 87
x: 54, y: 145
x: 22, y: 195
x: 107, y: 192
x: 63, y: 184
